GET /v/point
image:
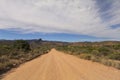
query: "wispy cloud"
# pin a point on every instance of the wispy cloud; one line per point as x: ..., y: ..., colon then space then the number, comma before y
x: 87, y: 17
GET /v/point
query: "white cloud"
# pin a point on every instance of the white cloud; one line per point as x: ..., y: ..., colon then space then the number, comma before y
x: 59, y: 16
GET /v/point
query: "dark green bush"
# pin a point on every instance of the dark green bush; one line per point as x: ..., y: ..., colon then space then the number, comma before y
x: 21, y: 45
x: 115, y: 56
x: 104, y: 51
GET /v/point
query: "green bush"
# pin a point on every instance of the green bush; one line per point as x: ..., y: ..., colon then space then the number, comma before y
x: 85, y: 56
x: 95, y: 58
x: 21, y: 45
x: 104, y: 51
x: 96, y: 52
x: 115, y: 56
x: 4, y: 59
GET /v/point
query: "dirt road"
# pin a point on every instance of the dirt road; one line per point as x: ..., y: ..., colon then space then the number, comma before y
x: 59, y: 66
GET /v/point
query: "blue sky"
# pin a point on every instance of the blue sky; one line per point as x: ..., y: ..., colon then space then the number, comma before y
x: 11, y: 35
x: 60, y: 20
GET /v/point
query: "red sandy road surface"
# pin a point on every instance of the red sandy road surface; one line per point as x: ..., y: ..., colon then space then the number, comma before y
x: 59, y: 66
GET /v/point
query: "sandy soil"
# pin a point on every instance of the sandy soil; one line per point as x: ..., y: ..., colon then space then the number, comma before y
x: 59, y: 66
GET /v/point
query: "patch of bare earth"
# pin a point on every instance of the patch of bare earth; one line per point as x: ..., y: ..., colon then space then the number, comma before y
x: 59, y: 66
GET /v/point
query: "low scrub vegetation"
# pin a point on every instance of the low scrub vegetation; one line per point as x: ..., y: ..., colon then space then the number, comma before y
x: 107, y: 54
x: 13, y: 53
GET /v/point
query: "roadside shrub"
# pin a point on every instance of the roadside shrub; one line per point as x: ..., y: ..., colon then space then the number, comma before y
x: 21, y: 45
x: 104, y: 51
x: 85, y: 56
x: 117, y: 65
x: 96, y: 52
x: 115, y: 56
x: 117, y: 47
x: 95, y: 58
x: 4, y: 59
x: 2, y: 66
